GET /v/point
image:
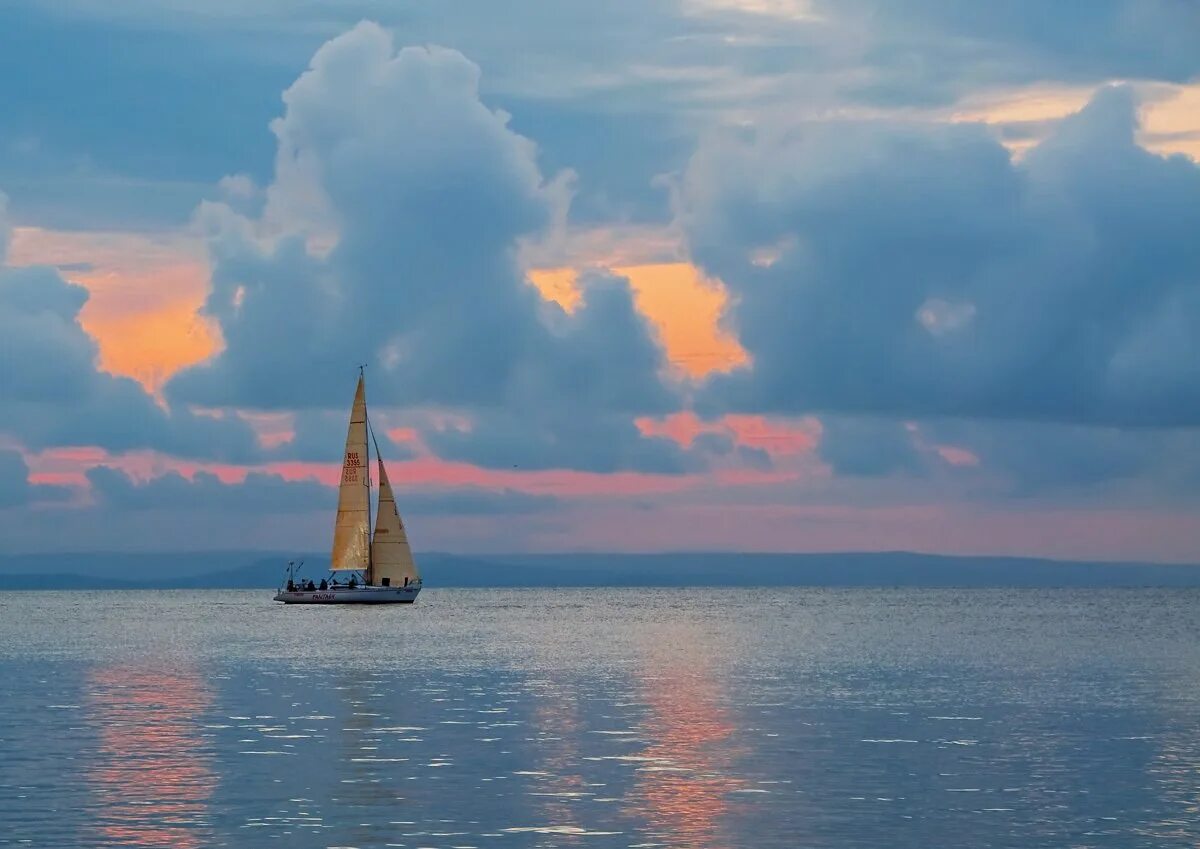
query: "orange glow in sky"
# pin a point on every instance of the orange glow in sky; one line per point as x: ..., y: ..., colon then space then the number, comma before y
x: 144, y: 297
x: 683, y: 305
x: 1169, y: 114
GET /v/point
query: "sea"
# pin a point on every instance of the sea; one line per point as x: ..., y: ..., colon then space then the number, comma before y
x: 602, y: 718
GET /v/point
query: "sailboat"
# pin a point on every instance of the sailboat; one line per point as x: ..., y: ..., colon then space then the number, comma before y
x: 381, y: 565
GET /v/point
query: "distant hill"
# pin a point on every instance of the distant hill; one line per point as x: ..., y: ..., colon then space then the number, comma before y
x: 241, y: 569
x: 137, y: 567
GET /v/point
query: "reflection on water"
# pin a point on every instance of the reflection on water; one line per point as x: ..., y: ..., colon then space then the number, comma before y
x: 684, y: 778
x: 560, y: 784
x: 152, y: 779
x: 1177, y: 771
x: 604, y: 720
x: 1175, y: 767
x: 367, y: 787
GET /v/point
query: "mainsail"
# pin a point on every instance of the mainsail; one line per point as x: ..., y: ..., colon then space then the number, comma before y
x: 351, y: 530
x: 391, y: 556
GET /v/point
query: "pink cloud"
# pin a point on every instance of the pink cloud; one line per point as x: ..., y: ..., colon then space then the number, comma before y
x: 68, y: 466
x: 956, y: 456
x: 777, y: 436
x: 776, y: 510
x: 271, y: 429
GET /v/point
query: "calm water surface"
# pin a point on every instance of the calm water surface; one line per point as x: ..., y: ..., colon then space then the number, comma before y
x: 601, y: 718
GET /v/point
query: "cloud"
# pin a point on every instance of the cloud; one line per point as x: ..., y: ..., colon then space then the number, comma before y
x: 115, y: 134
x: 617, y: 93
x: 54, y: 394
x: 422, y: 196
x: 864, y: 447
x: 474, y: 501
x: 128, y: 126
x: 262, y: 493
x: 258, y: 493
x: 5, y: 229
x: 558, y: 439
x: 15, y: 488
x: 923, y: 273
x: 1031, y: 459
x: 924, y: 51
x: 318, y: 436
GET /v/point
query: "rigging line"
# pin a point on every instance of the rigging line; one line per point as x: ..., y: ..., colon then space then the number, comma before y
x: 379, y: 458
x: 371, y: 430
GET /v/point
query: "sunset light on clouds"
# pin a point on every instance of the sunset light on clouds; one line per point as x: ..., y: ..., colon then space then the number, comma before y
x: 718, y: 275
x: 144, y: 297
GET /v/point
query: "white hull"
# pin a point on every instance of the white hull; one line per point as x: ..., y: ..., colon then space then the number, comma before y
x: 358, y: 595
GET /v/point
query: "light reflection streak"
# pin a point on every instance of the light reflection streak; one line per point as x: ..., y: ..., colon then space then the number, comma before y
x: 1175, y: 765
x: 153, y: 777
x: 1177, y: 773
x: 556, y: 716
x: 368, y: 788
x: 684, y: 781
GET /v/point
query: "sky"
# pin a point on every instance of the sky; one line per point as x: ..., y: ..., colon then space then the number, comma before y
x: 725, y: 275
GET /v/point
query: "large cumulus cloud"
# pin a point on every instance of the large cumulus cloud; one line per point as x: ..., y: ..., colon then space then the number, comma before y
x: 918, y: 271
x: 425, y: 194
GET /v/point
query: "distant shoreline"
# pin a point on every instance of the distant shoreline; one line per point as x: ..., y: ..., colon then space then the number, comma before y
x: 256, y: 570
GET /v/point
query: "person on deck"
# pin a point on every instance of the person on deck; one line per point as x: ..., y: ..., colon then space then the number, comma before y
x: 324, y: 584
x: 353, y: 582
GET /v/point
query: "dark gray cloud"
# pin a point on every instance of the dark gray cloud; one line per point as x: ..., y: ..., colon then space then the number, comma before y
x: 5, y: 228
x: 922, y: 273
x: 1026, y: 459
x: 430, y: 193
x: 258, y: 493
x: 980, y: 459
x: 473, y: 501
x: 864, y: 447
x: 52, y: 392
x: 262, y: 493
x: 15, y: 488
x: 557, y: 438
x: 320, y: 434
